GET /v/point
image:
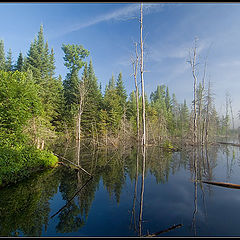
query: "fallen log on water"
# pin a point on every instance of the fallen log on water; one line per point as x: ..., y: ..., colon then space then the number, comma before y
x: 223, y: 184
x: 78, y: 166
x: 164, y: 231
x: 232, y: 144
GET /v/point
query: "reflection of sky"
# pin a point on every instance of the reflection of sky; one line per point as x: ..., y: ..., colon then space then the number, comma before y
x: 108, y: 31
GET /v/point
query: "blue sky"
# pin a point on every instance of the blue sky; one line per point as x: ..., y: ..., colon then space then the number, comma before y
x: 109, y: 30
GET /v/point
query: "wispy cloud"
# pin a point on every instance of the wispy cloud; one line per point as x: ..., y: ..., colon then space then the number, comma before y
x: 121, y: 14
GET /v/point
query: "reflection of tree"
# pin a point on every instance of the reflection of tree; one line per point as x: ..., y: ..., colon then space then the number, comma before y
x: 25, y: 206
x: 142, y: 188
x: 195, y: 170
x: 202, y: 161
x: 110, y: 167
x: 112, y: 174
x: 133, y: 216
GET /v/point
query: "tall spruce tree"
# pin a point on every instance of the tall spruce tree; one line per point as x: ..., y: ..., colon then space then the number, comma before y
x: 19, y: 64
x: 2, y: 56
x: 121, y: 91
x: 112, y: 105
x: 93, y: 102
x: 9, y: 61
x: 39, y: 62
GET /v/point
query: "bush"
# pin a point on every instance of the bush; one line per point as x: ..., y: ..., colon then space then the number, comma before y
x: 20, y: 162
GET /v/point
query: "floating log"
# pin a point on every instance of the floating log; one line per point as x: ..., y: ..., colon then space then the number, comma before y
x: 232, y: 144
x: 223, y: 184
x: 164, y: 231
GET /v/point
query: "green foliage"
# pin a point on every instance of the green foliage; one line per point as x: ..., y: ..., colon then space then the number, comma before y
x: 19, y: 104
x: 19, y: 162
x: 72, y: 86
x: 74, y: 55
x: 121, y: 91
x: 112, y: 105
x: 9, y: 61
x: 19, y: 64
x: 93, y: 102
x: 19, y: 101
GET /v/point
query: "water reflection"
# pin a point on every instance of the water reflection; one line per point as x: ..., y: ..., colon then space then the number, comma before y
x: 25, y: 207
x: 26, y: 210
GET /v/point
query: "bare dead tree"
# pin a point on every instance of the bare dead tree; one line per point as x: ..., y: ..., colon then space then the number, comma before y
x: 226, y: 116
x: 200, y: 100
x: 230, y: 105
x: 82, y: 94
x: 192, y: 61
x: 135, y: 64
x: 142, y: 80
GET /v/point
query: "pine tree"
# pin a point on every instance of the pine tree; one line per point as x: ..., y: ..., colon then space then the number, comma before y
x: 9, y: 62
x: 121, y: 91
x: 168, y: 99
x: 19, y: 64
x: 51, y: 63
x: 2, y: 56
x: 93, y: 101
x: 112, y: 105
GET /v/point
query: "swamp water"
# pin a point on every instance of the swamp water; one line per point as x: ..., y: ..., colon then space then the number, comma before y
x: 118, y: 195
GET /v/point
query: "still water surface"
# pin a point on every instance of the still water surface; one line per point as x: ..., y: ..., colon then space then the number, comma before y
x: 110, y: 202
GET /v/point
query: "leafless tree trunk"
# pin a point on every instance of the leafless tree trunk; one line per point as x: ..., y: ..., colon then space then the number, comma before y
x: 142, y: 81
x: 82, y: 93
x: 207, y: 114
x: 201, y: 96
x: 192, y: 61
x: 135, y: 64
x: 226, y: 133
x: 230, y: 104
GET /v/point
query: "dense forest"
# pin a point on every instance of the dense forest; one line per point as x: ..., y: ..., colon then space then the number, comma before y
x: 39, y: 108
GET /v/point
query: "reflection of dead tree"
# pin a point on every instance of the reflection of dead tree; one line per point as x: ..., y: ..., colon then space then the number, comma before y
x: 133, y: 218
x: 142, y: 189
x: 195, y: 167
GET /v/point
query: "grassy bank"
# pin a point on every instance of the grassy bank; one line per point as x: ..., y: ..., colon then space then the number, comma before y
x: 20, y: 162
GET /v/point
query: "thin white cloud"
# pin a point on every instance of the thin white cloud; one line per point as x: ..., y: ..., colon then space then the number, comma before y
x: 124, y: 13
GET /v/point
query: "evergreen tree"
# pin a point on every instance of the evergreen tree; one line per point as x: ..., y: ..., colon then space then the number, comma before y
x: 93, y: 101
x: 51, y: 63
x: 19, y: 64
x: 168, y: 100
x: 9, y: 62
x: 112, y: 105
x: 121, y: 91
x: 2, y: 56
